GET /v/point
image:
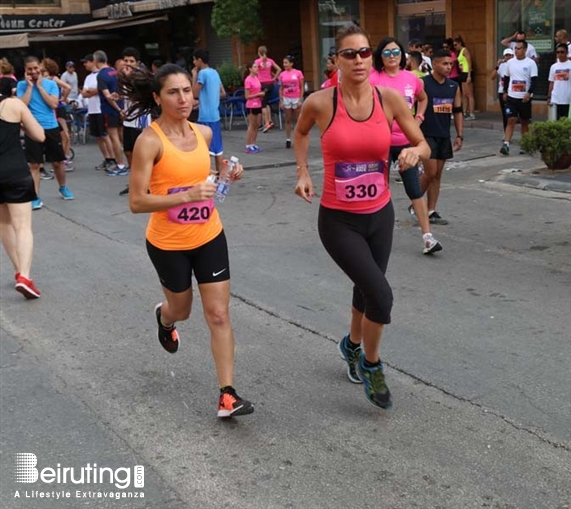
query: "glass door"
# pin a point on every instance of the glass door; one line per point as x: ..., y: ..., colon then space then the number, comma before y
x: 421, y: 19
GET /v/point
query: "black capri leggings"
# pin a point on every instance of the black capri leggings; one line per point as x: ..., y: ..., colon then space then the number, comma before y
x: 361, y: 245
x: 409, y: 177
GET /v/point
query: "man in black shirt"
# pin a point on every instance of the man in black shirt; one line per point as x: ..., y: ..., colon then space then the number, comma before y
x: 444, y: 100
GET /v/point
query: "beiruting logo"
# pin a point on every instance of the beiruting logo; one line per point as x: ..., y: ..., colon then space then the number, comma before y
x: 26, y: 471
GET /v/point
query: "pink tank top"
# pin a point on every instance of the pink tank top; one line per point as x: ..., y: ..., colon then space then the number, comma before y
x: 355, y: 156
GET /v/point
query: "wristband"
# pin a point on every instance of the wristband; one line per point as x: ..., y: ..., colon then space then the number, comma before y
x: 420, y: 116
x: 461, y: 137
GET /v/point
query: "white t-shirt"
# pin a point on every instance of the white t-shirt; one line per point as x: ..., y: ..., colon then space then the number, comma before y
x: 530, y: 53
x: 93, y: 103
x: 501, y: 73
x: 139, y: 122
x: 71, y: 79
x: 559, y: 74
x: 520, y: 73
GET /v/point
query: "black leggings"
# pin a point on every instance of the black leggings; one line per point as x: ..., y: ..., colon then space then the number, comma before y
x: 361, y: 245
x: 409, y: 177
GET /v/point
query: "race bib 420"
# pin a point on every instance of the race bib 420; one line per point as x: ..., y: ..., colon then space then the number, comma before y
x: 195, y: 212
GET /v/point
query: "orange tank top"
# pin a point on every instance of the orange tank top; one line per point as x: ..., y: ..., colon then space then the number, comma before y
x: 193, y: 224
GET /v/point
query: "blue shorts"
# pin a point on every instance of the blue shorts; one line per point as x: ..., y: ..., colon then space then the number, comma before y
x: 216, y: 143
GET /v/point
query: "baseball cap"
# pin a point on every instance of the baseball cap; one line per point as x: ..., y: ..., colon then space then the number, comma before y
x: 508, y: 51
x: 69, y: 64
x: 87, y: 58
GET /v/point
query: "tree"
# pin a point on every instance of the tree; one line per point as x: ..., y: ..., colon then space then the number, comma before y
x: 241, y: 19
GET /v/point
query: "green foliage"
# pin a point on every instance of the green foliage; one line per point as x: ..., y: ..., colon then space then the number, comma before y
x: 230, y: 75
x: 551, y: 139
x: 239, y: 18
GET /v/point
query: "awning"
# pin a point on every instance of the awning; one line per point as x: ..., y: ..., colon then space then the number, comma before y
x: 94, y: 26
x: 14, y: 41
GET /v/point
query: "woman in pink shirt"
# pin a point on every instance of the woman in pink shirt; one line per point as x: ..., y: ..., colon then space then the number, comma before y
x: 268, y: 70
x: 291, y: 94
x: 253, y: 93
x: 389, y: 60
x: 454, y: 75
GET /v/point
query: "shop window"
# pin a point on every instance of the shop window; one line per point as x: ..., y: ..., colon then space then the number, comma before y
x: 332, y: 15
x: 539, y: 19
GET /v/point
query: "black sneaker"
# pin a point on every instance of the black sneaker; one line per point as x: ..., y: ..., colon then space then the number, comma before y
x: 232, y: 405
x: 167, y: 337
x: 505, y: 150
x: 435, y: 218
x: 351, y: 357
x: 124, y: 192
x: 288, y: 143
x: 374, y: 383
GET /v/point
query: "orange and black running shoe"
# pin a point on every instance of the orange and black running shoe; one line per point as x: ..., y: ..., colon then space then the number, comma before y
x: 232, y: 405
x: 167, y: 336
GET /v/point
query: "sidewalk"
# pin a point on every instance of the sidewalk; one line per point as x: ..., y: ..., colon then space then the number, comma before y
x: 482, y: 140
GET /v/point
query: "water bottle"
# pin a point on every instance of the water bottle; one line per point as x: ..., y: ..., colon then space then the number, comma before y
x: 225, y: 180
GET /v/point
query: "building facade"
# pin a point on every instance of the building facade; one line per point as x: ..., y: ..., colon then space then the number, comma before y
x: 172, y: 29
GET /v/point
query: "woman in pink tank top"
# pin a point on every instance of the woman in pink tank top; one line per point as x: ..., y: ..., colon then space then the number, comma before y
x: 356, y: 216
x: 389, y: 71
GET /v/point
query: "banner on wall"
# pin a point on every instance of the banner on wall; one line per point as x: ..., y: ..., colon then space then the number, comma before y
x: 538, y: 16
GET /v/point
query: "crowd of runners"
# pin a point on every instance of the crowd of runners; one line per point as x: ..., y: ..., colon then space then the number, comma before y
x: 139, y: 118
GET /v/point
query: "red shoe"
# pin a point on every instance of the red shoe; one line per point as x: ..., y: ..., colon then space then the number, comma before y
x: 26, y: 287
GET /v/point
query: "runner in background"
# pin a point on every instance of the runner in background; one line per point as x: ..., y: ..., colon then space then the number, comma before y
x: 291, y: 94
x: 268, y: 71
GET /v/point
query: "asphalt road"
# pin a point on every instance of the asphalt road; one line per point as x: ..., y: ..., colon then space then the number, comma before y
x: 477, y: 355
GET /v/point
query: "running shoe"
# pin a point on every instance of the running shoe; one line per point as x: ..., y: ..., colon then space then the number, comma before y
x: 267, y: 127
x: 65, y: 193
x: 124, y: 192
x: 37, y: 204
x: 44, y: 175
x: 250, y: 150
x: 26, y: 287
x: 118, y: 172
x: 398, y: 180
x: 232, y: 405
x: 471, y: 116
x: 431, y: 245
x: 376, y: 389
x: 104, y: 165
x: 351, y: 357
x: 167, y: 337
x: 288, y: 143
x: 411, y: 211
x: 435, y: 218
x: 505, y: 150
x: 256, y: 149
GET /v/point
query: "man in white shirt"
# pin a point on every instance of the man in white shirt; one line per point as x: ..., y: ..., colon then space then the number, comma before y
x: 519, y: 82
x: 559, y: 92
x: 70, y: 77
x: 518, y: 37
x: 96, y: 121
x: 561, y: 37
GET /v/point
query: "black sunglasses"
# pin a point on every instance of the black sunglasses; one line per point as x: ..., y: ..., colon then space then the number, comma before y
x: 351, y: 54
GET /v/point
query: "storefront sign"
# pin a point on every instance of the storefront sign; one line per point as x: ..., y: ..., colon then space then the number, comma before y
x: 538, y: 24
x: 40, y: 22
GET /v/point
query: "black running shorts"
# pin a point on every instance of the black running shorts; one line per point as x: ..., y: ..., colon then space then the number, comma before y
x: 209, y: 263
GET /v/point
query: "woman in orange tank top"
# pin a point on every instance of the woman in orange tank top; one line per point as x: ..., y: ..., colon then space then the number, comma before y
x: 170, y: 179
x: 356, y: 216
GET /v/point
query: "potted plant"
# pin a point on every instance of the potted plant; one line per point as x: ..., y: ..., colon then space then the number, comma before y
x: 231, y: 76
x: 552, y: 139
